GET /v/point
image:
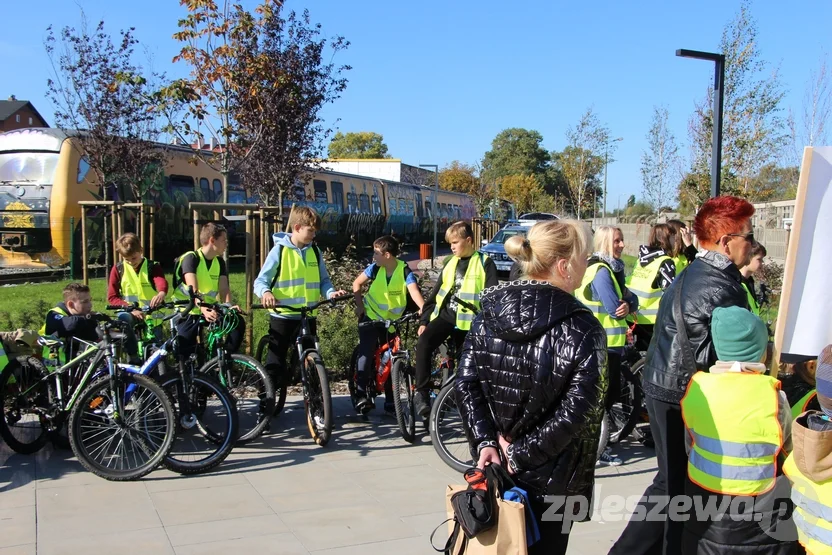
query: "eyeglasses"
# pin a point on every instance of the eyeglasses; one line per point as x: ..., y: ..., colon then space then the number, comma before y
x: 747, y: 236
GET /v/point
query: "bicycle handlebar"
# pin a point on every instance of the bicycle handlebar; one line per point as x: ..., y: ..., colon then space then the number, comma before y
x: 309, y: 308
x: 467, y: 305
x: 189, y: 305
x: 388, y: 323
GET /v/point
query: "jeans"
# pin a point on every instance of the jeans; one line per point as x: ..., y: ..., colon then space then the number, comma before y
x: 282, y: 335
x: 131, y: 343
x: 369, y: 339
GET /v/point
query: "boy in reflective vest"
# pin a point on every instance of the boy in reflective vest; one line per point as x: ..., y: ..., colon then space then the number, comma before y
x: 72, y: 317
x: 465, y: 275
x: 758, y: 253
x: 738, y: 426
x: 294, y: 274
x: 205, y: 271
x: 390, y: 282
x: 135, y: 280
x: 809, y: 467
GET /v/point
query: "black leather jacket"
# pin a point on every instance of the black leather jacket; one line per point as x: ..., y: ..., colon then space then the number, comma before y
x: 533, y: 369
x: 708, y: 283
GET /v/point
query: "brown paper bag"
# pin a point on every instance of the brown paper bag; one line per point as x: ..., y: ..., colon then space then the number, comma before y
x: 508, y: 537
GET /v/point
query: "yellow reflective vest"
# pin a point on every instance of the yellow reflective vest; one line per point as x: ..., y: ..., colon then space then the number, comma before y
x: 472, y: 285
x: 207, y: 279
x: 42, y: 331
x: 136, y: 287
x: 732, y: 420
x: 803, y: 404
x: 616, y: 328
x: 681, y: 262
x: 640, y: 283
x: 297, y: 282
x: 812, y: 511
x: 387, y: 301
x: 752, y: 302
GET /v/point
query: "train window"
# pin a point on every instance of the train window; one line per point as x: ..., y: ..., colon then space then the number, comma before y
x: 338, y: 195
x: 427, y: 208
x: 217, y: 188
x: 320, y: 191
x: 420, y: 212
x: 409, y: 207
x: 394, y: 206
x: 352, y: 202
x: 364, y: 203
x: 205, y: 185
x: 183, y: 184
x: 402, y: 206
x: 376, y: 204
x: 83, y: 168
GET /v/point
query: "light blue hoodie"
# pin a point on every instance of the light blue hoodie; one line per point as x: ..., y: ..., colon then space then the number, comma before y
x: 271, y: 266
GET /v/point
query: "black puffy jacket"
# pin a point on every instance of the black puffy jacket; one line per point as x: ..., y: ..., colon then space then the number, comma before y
x: 533, y: 369
x: 705, y: 286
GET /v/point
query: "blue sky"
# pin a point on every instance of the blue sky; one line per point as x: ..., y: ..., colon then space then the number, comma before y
x: 440, y: 79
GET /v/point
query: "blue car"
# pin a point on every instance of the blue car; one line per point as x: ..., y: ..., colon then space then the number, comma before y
x: 496, y: 248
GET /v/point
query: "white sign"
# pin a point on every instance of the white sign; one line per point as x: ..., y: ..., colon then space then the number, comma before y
x: 804, y: 322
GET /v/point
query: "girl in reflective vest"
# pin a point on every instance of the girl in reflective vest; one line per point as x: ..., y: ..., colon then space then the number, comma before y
x: 809, y: 467
x: 652, y: 274
x: 758, y: 253
x: 465, y: 275
x: 797, y: 376
x: 684, y: 251
x: 605, y: 293
x: 738, y: 427
x: 391, y: 280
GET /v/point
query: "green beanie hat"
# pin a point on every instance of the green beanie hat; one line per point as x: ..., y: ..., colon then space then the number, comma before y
x: 738, y: 334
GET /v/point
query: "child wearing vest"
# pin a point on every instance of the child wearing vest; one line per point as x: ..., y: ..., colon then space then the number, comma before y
x: 809, y: 467
x: 72, y: 318
x: 758, y: 253
x: 738, y: 425
x: 294, y: 274
x: 390, y: 282
x: 205, y: 271
x: 797, y: 376
x: 466, y: 274
x: 135, y: 280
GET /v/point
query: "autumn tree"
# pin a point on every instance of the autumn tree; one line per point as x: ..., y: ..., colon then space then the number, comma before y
x: 659, y: 164
x: 816, y: 113
x: 581, y: 162
x: 753, y: 129
x: 526, y: 193
x: 283, y: 124
x: 465, y: 178
x: 515, y: 152
x: 97, y: 87
x: 362, y: 144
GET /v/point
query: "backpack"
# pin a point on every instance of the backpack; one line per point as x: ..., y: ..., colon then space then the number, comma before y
x: 177, y: 262
x: 150, y: 264
x: 280, y: 252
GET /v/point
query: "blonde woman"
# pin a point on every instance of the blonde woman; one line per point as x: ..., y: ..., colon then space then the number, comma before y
x: 532, y: 376
x: 603, y: 290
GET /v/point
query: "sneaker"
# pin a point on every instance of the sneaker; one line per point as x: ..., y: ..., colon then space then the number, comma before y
x: 421, y: 405
x: 609, y: 459
x: 360, y: 401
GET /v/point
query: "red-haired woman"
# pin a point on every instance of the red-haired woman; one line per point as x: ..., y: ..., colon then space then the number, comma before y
x: 682, y: 345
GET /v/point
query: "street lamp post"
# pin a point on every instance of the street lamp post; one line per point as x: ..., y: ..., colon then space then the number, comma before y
x: 434, y: 210
x: 606, y: 160
x: 719, y: 89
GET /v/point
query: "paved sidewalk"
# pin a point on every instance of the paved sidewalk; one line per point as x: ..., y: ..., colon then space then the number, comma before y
x: 367, y: 493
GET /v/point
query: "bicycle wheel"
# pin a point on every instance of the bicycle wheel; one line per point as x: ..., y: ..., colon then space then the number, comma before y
x: 25, y: 395
x: 279, y: 389
x: 626, y: 411
x: 252, y: 388
x: 317, y: 399
x: 128, y: 446
x: 402, y: 377
x: 605, y: 435
x: 447, y: 433
x: 206, y: 434
x: 352, y: 371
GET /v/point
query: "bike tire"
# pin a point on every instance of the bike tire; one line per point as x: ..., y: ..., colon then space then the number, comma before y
x: 252, y: 418
x: 446, y: 431
x: 402, y: 378
x: 317, y: 398
x: 281, y: 390
x: 29, y: 439
x: 623, y: 416
x: 152, y: 436
x: 216, y: 443
x: 604, y: 437
x: 352, y: 371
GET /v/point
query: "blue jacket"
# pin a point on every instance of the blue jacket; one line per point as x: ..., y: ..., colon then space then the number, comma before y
x: 271, y: 266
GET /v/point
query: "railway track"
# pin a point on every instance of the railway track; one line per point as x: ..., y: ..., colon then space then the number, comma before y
x: 17, y: 277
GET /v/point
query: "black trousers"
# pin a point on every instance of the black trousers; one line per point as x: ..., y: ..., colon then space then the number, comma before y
x: 188, y: 331
x: 282, y: 334
x: 614, y: 383
x: 660, y: 536
x: 553, y: 539
x: 644, y: 333
x: 436, y: 332
x: 369, y: 339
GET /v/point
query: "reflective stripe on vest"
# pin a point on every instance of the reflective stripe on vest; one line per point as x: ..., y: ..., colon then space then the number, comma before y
x: 387, y: 301
x: 803, y: 405
x: 136, y: 287
x: 616, y: 329
x: 640, y: 283
x: 298, y: 281
x: 207, y: 280
x: 59, y: 310
x: 681, y: 262
x: 812, y: 511
x: 732, y: 419
x: 752, y: 302
x: 472, y: 285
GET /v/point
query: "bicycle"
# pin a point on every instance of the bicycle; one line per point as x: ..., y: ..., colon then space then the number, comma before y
x: 317, y: 398
x: 120, y: 422
x: 392, y: 368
